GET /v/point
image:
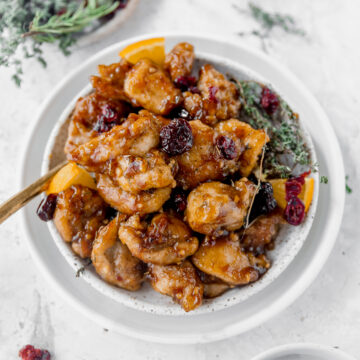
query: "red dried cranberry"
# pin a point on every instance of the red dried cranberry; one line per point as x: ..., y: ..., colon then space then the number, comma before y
x: 194, y: 89
x: 185, y: 82
x: 294, y: 211
x: 109, y: 113
x: 28, y: 352
x: 269, y: 101
x: 293, y: 188
x: 226, y: 147
x: 212, y: 94
x: 177, y: 137
x: 46, y: 208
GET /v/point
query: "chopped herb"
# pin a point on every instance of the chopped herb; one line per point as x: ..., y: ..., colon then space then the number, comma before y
x: 80, y: 271
x: 347, y: 187
x: 324, y: 180
x: 286, y: 153
x: 25, y: 25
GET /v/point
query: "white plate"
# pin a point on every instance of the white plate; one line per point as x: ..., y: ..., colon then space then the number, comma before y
x: 305, y: 351
x: 288, y: 243
x: 240, y: 317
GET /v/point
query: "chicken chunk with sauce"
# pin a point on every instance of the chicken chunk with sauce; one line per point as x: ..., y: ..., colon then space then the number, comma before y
x: 147, y: 85
x: 181, y: 282
x: 136, y: 136
x: 223, y: 258
x: 179, y: 61
x: 112, y: 259
x: 203, y: 161
x: 110, y: 83
x: 213, y: 286
x: 215, y: 207
x: 87, y: 111
x: 79, y: 213
x: 166, y: 240
x: 253, y: 140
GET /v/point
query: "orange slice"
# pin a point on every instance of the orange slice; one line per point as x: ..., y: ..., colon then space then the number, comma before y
x: 69, y: 175
x: 153, y: 49
x: 305, y: 196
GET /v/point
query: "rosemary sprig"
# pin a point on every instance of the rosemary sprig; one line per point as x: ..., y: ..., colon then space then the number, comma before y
x: 26, y: 24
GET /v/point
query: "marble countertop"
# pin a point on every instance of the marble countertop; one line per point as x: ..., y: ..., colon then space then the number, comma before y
x: 327, y: 60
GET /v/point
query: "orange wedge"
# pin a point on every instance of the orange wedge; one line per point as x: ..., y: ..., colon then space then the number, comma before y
x: 305, y: 196
x: 69, y: 175
x: 153, y: 49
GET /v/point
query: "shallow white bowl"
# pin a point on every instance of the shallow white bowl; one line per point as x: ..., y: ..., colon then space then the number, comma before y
x: 303, y: 351
x: 207, y: 326
x: 288, y: 242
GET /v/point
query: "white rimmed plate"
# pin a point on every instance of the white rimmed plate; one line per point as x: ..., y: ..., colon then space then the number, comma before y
x: 239, y: 317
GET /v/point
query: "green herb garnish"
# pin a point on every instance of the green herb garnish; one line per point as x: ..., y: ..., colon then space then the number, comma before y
x: 286, y: 151
x: 347, y: 187
x: 25, y: 25
x: 324, y: 180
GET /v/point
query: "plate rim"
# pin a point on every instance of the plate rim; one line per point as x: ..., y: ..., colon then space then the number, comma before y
x: 286, y: 297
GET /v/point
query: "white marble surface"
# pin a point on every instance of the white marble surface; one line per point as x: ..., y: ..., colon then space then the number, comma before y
x: 327, y: 60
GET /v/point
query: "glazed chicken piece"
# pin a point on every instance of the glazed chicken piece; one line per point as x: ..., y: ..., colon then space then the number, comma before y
x: 179, y: 61
x: 166, y: 240
x: 144, y: 202
x: 139, y: 173
x: 215, y: 207
x: 203, y: 161
x: 224, y: 259
x: 79, y: 213
x: 262, y: 232
x: 85, y: 115
x: 253, y: 140
x: 213, y: 286
x: 178, y: 281
x: 110, y: 83
x: 148, y: 86
x: 136, y: 136
x: 221, y: 94
x: 112, y: 259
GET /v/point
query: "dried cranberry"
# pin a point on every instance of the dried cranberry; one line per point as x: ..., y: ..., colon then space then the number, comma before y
x: 184, y: 83
x: 264, y: 201
x: 109, y: 113
x: 28, y: 352
x: 294, y: 211
x: 269, y: 101
x: 293, y: 188
x: 177, y: 137
x: 107, y: 120
x: 46, y: 208
x: 212, y: 94
x: 226, y: 147
x: 194, y: 89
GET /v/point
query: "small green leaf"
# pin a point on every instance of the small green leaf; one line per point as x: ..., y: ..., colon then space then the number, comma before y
x: 324, y: 180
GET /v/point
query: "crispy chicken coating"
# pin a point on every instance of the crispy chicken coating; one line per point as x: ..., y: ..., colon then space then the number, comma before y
x: 79, y: 213
x: 166, y: 240
x: 110, y: 83
x: 144, y: 202
x: 112, y: 259
x: 179, y: 61
x: 214, y: 207
x: 139, y: 173
x: 85, y: 115
x: 262, y: 232
x: 136, y: 136
x: 147, y: 85
x: 253, y: 140
x: 178, y: 281
x: 219, y: 92
x: 203, y: 161
x: 224, y: 258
